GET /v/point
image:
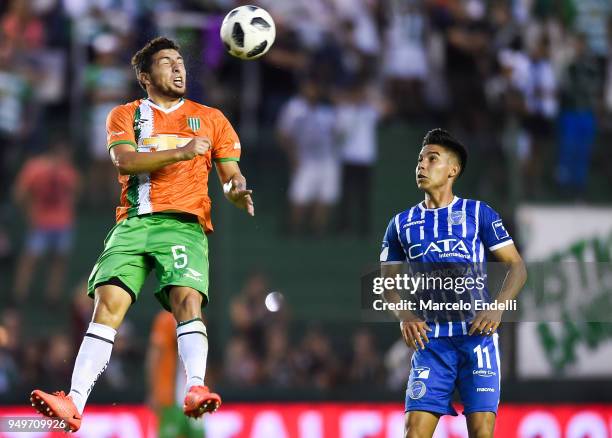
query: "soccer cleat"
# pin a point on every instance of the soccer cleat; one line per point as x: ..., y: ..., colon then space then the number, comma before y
x: 200, y: 400
x: 57, y: 405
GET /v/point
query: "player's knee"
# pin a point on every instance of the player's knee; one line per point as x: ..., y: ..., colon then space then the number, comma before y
x: 185, y: 300
x: 108, y: 313
x: 414, y: 432
x: 110, y: 308
x: 481, y: 429
x: 416, y: 428
x: 481, y: 432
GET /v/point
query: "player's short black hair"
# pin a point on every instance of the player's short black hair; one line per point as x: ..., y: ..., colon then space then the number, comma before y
x: 141, y: 61
x: 443, y: 138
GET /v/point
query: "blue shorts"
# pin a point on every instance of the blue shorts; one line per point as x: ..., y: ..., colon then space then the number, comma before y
x: 469, y: 363
x: 41, y: 240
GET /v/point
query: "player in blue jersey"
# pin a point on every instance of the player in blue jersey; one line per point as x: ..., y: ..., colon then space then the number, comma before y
x: 461, y: 351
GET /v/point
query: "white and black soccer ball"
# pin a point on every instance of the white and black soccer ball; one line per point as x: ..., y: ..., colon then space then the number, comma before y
x: 248, y: 32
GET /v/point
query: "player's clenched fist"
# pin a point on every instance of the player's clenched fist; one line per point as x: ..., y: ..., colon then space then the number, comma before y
x: 197, y: 146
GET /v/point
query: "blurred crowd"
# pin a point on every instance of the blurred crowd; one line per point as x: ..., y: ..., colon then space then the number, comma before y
x: 265, y: 348
x: 269, y: 348
x: 527, y: 84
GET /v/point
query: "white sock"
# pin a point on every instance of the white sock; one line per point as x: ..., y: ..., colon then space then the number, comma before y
x: 91, y: 361
x: 193, y: 349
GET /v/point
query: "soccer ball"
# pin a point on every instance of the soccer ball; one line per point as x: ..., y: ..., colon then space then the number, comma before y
x: 248, y: 32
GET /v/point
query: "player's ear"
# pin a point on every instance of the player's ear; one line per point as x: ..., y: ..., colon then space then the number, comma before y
x: 144, y: 78
x: 454, y: 169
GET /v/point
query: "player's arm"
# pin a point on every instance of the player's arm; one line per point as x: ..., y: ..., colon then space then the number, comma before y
x: 487, y: 322
x: 234, y: 185
x: 497, y: 239
x: 130, y: 162
x: 392, y: 258
x: 414, y: 330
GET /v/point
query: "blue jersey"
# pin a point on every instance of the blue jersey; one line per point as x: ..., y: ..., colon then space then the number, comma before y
x: 457, y: 234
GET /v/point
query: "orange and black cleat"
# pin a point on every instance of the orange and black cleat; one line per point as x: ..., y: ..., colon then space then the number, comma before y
x: 200, y: 400
x: 57, y: 405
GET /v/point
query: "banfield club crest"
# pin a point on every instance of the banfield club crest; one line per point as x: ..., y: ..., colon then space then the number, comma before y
x: 194, y: 123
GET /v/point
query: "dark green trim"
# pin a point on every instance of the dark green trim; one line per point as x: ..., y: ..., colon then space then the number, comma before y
x: 115, y: 143
x: 136, y: 124
x: 132, y: 195
x: 223, y: 160
x: 187, y: 322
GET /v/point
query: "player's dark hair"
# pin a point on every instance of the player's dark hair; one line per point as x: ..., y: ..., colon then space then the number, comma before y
x: 143, y: 59
x: 443, y: 138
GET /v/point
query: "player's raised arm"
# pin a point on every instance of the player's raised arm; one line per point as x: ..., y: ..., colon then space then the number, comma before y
x: 234, y: 186
x: 130, y: 162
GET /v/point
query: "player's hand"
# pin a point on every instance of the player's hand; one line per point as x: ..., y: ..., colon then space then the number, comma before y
x: 235, y: 190
x: 486, y: 322
x: 197, y: 146
x: 414, y: 333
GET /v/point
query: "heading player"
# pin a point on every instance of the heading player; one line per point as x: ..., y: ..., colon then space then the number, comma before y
x: 163, y: 147
x: 456, y: 352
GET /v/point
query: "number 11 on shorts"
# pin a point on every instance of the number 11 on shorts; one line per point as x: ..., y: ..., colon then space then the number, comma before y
x: 180, y: 257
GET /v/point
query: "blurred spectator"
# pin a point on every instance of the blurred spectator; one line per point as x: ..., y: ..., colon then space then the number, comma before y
x: 357, y: 119
x: 405, y: 65
x: 306, y: 132
x: 365, y: 366
x: 466, y: 38
x: 107, y: 81
x: 542, y: 106
x: 241, y: 366
x: 22, y: 31
x: 46, y: 190
x: 396, y: 359
x: 31, y: 362
x: 9, y: 372
x: 58, y: 359
x: 280, y: 68
x: 12, y: 322
x: 591, y: 21
x: 15, y: 97
x: 248, y: 312
x: 279, y: 366
x: 125, y: 352
x: 81, y: 311
x: 10, y: 345
x: 316, y: 361
x: 581, y: 90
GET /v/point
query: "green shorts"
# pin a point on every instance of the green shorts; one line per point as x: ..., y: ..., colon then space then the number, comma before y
x: 173, y: 423
x: 173, y: 244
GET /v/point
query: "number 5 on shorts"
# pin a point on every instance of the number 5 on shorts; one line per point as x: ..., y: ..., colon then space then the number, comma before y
x: 180, y: 258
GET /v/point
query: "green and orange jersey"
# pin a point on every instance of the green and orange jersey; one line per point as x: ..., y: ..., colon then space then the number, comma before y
x: 182, y: 186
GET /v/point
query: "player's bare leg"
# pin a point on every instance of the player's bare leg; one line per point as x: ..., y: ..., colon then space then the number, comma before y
x: 57, y: 272
x: 420, y: 424
x: 320, y: 217
x: 111, y: 305
x: 296, y: 218
x: 192, y: 339
x: 481, y: 424
x: 25, y: 271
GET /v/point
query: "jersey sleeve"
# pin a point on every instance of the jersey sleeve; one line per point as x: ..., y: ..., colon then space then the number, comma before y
x: 392, y: 251
x: 226, y: 144
x: 120, y: 127
x: 492, y: 231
